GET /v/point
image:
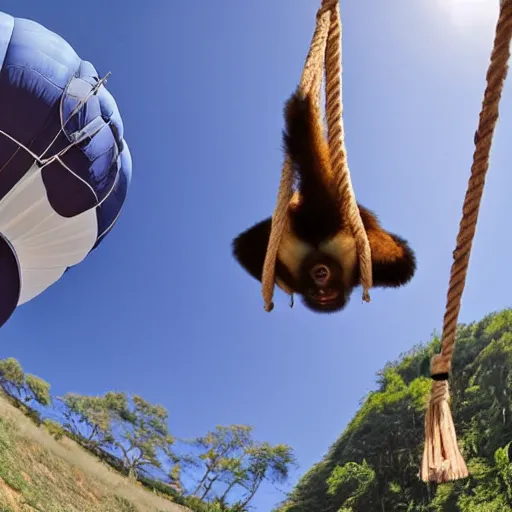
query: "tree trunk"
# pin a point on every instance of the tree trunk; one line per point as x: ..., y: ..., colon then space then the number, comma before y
x: 226, y: 492
x: 93, y: 433
x: 208, y: 488
x: 254, y: 489
x: 202, y: 481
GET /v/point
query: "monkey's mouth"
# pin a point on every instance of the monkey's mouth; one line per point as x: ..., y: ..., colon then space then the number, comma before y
x: 325, y: 297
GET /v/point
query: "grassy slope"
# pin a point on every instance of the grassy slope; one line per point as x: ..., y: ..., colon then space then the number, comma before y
x: 38, y: 473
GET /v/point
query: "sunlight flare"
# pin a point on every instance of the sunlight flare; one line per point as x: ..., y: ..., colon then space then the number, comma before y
x: 470, y: 14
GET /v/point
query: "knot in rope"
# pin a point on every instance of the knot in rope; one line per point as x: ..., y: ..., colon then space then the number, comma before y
x: 440, y: 365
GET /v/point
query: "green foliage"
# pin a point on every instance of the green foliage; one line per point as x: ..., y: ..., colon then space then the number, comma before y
x: 266, y: 462
x: 21, y: 388
x: 162, y: 488
x: 374, y: 464
x: 197, y: 505
x: 39, y: 389
x: 351, y: 481
x: 54, y: 428
x: 11, y: 373
x: 92, y: 417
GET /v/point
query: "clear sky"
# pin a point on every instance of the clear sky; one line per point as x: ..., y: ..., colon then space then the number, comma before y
x: 162, y: 309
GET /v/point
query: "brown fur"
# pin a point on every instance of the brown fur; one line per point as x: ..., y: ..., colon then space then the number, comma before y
x: 319, y: 147
x: 383, y: 245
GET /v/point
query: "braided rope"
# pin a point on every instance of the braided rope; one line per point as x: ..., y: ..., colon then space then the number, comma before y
x: 496, y: 75
x: 338, y: 152
x: 325, y: 46
x: 442, y: 460
x: 310, y: 81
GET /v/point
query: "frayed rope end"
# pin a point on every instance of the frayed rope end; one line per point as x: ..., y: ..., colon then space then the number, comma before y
x: 442, y: 460
x: 366, y: 295
x: 268, y: 307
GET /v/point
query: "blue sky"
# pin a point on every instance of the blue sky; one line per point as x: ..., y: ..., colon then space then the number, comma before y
x: 162, y: 309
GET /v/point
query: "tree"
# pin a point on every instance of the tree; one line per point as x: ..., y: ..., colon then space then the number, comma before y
x: 130, y: 426
x: 92, y: 418
x: 12, y: 377
x: 174, y: 477
x: 173, y: 466
x: 20, y: 387
x: 221, y: 449
x: 267, y: 462
x: 142, y: 435
x: 236, y: 474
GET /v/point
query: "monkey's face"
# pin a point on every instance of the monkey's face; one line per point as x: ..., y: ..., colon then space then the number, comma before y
x: 321, y: 283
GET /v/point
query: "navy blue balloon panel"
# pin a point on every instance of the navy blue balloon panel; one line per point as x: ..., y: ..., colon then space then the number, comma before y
x: 65, y: 167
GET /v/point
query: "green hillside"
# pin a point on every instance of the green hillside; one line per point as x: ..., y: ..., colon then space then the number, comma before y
x: 374, y: 464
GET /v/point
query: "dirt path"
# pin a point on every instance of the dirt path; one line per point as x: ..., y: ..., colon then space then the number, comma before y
x: 73, y: 454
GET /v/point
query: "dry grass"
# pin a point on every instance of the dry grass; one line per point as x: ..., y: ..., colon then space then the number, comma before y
x: 38, y: 473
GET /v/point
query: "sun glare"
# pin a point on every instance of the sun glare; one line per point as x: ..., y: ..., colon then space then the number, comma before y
x: 466, y: 14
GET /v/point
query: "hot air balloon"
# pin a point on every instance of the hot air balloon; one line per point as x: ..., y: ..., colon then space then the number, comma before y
x: 65, y: 167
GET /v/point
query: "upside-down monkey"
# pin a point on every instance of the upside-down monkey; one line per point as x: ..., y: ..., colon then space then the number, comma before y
x: 317, y: 256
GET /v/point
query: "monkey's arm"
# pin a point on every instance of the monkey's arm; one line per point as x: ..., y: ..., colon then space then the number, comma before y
x: 304, y: 141
x: 249, y: 249
x: 393, y: 261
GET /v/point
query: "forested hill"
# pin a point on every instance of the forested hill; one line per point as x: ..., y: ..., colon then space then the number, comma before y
x: 373, y: 466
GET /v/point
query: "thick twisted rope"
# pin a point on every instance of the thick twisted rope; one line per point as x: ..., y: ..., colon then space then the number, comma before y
x: 325, y: 44
x: 442, y: 460
x: 338, y: 152
x: 311, y: 77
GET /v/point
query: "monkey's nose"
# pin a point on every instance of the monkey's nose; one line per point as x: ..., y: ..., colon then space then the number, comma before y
x: 320, y: 273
